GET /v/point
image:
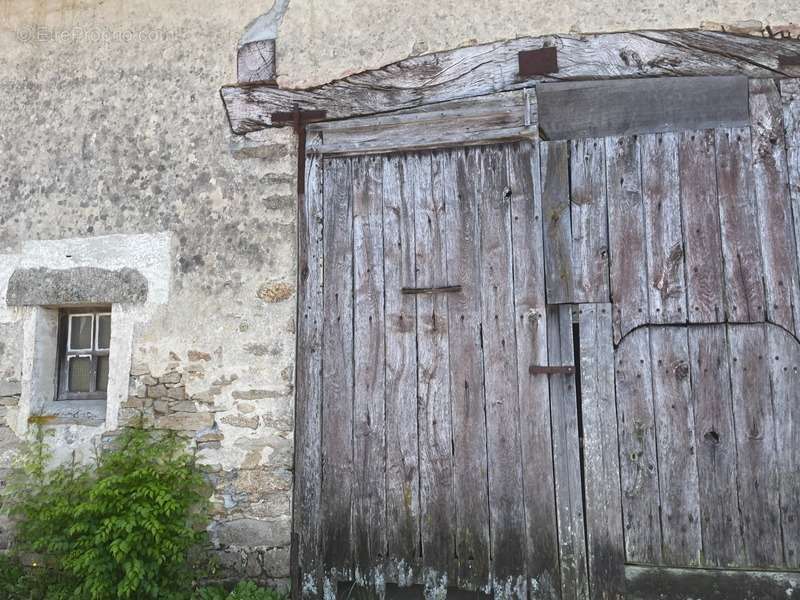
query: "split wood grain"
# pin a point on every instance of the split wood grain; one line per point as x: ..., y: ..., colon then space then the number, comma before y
x: 556, y: 222
x: 705, y: 296
x: 566, y: 456
x: 604, y: 536
x: 638, y: 454
x: 522, y: 162
x: 369, y: 424
x: 626, y: 235
x: 470, y: 484
x: 337, y: 371
x: 402, y: 456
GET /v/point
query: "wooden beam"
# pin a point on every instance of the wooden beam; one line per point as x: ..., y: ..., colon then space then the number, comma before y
x: 490, y: 68
x: 586, y: 109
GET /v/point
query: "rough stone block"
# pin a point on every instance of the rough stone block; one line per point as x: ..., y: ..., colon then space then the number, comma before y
x: 276, y: 563
x: 177, y: 393
x: 185, y: 421
x: 79, y: 285
x: 173, y: 377
x: 161, y: 406
x: 182, y: 406
x: 252, y: 532
x: 250, y: 422
x: 156, y: 391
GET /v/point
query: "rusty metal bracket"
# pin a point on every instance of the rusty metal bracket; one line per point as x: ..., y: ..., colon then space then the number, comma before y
x: 299, y: 119
x: 542, y: 61
x: 446, y: 289
x: 542, y: 369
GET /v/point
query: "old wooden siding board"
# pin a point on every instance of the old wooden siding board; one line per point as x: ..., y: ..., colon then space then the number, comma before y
x: 566, y: 456
x: 308, y: 414
x: 369, y: 485
x: 705, y: 297
x: 784, y: 360
x: 499, y: 358
x: 637, y: 448
x: 606, y: 549
x: 715, y: 444
x: 754, y: 421
x: 738, y: 215
x: 402, y: 456
x: 471, y: 494
x: 433, y: 377
x: 570, y: 110
x: 554, y: 158
x: 534, y: 394
x: 337, y: 371
x: 665, y: 252
x: 626, y: 235
x: 490, y: 68
x: 771, y: 182
x: 645, y: 583
x: 589, y: 221
x: 677, y: 466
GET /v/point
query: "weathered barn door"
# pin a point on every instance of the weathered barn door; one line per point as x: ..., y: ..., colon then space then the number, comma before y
x: 429, y: 420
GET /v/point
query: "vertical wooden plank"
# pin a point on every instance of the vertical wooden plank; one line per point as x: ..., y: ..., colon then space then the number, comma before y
x: 337, y: 372
x: 369, y: 485
x: 637, y: 449
x: 665, y: 263
x: 715, y: 442
x: 784, y: 360
x: 471, y: 493
x: 307, y: 580
x: 533, y: 389
x: 499, y: 357
x: 433, y: 376
x: 556, y: 222
x: 754, y: 422
x: 605, y: 545
x: 589, y: 220
x: 626, y: 235
x: 566, y: 456
x: 705, y: 297
x: 771, y: 184
x: 741, y: 248
x: 402, y: 456
x: 677, y: 467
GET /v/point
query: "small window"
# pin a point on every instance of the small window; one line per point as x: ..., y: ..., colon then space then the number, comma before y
x: 83, y: 349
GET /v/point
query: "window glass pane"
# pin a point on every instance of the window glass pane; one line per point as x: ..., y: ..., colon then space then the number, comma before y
x: 103, y: 332
x: 80, y: 370
x: 102, y: 373
x: 80, y: 332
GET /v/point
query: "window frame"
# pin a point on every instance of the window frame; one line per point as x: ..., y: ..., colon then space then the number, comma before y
x: 66, y: 353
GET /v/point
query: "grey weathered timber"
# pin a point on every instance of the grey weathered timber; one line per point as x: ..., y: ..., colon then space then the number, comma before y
x: 637, y: 448
x: 571, y: 110
x: 677, y: 467
x: 337, y: 372
x: 402, y: 458
x: 665, y: 252
x: 738, y: 217
x: 715, y: 446
x: 705, y: 297
x: 645, y: 583
x: 605, y: 544
x: 589, y: 222
x: 566, y: 456
x: 531, y: 349
x: 754, y: 421
x: 556, y: 222
x: 771, y: 184
x: 306, y: 566
x: 437, y: 506
x: 506, y: 504
x: 255, y: 62
x: 470, y: 485
x: 784, y: 361
x: 790, y: 98
x: 491, y: 68
x: 626, y: 235
x: 369, y: 485
x: 487, y: 119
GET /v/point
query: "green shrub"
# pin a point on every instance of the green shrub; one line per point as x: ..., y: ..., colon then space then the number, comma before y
x: 125, y: 528
x: 245, y: 590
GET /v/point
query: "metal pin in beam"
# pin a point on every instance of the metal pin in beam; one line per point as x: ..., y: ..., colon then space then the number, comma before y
x: 447, y: 289
x: 543, y: 369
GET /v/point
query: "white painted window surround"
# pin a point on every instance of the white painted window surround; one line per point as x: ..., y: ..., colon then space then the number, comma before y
x: 150, y: 255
